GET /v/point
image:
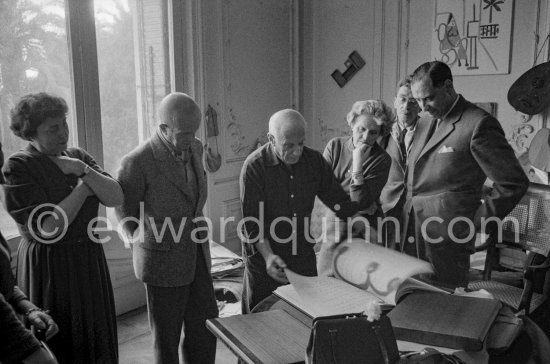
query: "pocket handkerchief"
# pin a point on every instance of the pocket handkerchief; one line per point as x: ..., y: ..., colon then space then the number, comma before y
x: 445, y: 149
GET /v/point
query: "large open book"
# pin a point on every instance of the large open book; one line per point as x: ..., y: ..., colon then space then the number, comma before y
x: 364, y: 273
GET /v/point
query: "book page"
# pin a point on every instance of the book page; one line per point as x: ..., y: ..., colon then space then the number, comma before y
x: 326, y: 296
x: 224, y: 261
x: 289, y: 294
x: 413, y: 284
x: 374, y: 268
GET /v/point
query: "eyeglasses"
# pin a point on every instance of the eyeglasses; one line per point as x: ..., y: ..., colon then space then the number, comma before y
x: 409, y: 101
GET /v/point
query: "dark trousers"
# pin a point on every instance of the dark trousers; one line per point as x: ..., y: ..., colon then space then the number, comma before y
x: 173, y: 308
x: 450, y: 261
x: 257, y: 284
x: 392, y: 232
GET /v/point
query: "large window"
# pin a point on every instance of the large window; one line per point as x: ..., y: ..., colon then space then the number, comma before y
x: 132, y: 49
x: 133, y: 72
x: 128, y: 78
x: 34, y: 56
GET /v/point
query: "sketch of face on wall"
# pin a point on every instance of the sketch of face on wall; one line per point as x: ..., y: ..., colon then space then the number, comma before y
x: 236, y: 139
x: 520, y: 136
x: 260, y: 140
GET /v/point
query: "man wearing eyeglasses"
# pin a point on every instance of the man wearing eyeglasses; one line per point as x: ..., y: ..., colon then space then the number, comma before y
x: 398, y: 145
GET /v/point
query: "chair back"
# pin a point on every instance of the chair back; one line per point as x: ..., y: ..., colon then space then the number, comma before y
x: 521, y: 244
x: 528, y: 225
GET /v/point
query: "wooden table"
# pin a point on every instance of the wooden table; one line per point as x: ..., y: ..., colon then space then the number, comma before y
x: 279, y: 334
x: 264, y: 337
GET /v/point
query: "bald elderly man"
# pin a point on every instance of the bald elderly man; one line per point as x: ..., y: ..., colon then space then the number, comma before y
x: 279, y: 182
x: 164, y: 185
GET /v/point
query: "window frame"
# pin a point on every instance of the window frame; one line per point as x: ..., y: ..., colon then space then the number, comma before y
x: 81, y: 33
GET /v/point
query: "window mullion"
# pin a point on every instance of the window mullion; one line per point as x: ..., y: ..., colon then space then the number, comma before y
x: 176, y: 28
x: 84, y: 68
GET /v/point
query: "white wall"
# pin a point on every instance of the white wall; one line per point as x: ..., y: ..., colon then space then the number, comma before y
x: 335, y: 29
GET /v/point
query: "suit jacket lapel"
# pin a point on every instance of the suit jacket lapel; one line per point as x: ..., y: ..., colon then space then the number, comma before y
x: 394, y: 150
x: 447, y: 126
x: 167, y: 165
x: 440, y: 133
x: 421, y: 136
x: 394, y: 147
x: 200, y: 175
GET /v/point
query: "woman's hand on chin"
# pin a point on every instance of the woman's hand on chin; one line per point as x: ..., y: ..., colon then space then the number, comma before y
x: 360, y: 154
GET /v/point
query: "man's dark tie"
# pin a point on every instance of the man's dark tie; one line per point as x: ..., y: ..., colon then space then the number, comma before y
x: 183, y: 156
x: 401, y: 140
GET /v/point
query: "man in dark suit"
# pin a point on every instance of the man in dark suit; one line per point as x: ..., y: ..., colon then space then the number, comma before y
x: 449, y: 162
x: 165, y: 189
x: 398, y: 145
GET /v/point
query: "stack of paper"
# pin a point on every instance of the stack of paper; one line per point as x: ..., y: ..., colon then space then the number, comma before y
x: 224, y: 261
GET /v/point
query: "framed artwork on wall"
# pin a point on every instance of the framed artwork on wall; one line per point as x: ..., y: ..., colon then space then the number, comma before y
x: 521, y: 139
x: 473, y: 36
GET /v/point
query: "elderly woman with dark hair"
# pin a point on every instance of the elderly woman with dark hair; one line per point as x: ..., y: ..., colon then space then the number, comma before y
x: 53, y: 193
x: 358, y: 162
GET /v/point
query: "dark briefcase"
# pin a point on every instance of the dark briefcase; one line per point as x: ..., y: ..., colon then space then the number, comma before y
x: 351, y: 339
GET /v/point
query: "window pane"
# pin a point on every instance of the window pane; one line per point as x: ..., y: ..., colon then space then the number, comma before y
x: 133, y: 72
x: 132, y: 48
x: 34, y: 56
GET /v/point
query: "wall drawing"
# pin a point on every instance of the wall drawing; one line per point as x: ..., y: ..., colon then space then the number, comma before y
x: 259, y: 141
x: 520, y: 139
x: 473, y: 36
x: 238, y: 146
x: 327, y: 133
x: 236, y: 141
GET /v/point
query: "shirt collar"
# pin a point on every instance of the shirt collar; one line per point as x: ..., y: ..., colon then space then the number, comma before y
x: 177, y: 154
x: 272, y: 159
x: 165, y: 141
x: 451, y: 108
x: 409, y: 129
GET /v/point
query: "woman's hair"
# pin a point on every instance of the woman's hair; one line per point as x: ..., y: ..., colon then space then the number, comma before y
x: 383, y: 115
x: 32, y: 110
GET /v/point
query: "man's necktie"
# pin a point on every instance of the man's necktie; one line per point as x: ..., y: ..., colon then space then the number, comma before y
x: 184, y: 156
x: 408, y: 139
x: 401, y: 140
